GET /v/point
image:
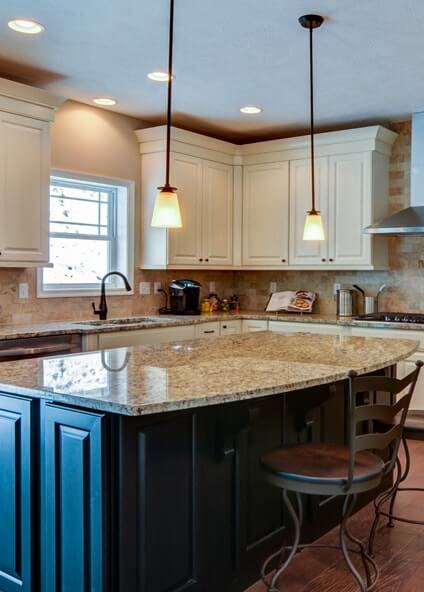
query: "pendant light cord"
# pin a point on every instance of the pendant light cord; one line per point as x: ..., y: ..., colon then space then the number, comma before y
x: 170, y: 77
x: 311, y: 82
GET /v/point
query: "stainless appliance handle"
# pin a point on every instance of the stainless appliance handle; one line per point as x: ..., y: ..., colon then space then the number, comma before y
x: 35, y: 351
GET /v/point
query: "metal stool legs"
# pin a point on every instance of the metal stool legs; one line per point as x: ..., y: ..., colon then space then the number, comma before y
x: 284, y: 563
x: 370, y: 567
x: 391, y: 496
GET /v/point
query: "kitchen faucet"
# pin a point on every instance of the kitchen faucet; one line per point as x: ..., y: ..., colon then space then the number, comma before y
x: 102, y: 310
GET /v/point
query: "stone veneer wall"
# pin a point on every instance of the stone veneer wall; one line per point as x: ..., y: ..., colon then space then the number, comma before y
x: 405, y: 277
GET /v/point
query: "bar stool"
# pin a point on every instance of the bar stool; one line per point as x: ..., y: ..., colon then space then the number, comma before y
x: 413, y: 430
x: 331, y: 471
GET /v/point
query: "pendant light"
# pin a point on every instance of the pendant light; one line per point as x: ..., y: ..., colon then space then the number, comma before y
x: 166, y: 211
x: 314, y: 229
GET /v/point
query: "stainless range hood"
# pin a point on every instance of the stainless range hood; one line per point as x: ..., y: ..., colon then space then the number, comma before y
x: 409, y: 221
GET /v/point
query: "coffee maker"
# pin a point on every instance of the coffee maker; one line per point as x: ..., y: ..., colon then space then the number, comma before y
x: 184, y: 296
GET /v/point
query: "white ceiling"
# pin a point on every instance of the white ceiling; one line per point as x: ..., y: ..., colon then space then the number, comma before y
x: 369, y: 59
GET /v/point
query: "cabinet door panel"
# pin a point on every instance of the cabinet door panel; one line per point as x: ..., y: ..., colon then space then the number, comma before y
x: 350, y: 204
x: 218, y: 213
x: 266, y: 214
x: 72, y: 500
x: 16, y: 495
x: 185, y: 244
x: 159, y: 491
x: 24, y: 188
x: 307, y: 252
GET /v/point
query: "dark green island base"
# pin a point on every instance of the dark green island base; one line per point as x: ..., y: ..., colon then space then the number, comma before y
x: 100, y: 502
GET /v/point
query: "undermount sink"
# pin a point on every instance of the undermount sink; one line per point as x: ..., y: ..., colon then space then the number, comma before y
x: 127, y: 321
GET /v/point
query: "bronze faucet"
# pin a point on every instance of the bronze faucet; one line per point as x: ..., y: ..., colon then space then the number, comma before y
x: 102, y: 310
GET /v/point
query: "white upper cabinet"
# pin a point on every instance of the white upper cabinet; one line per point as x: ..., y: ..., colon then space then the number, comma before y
x: 185, y: 244
x: 205, y: 191
x: 350, y: 209
x: 244, y: 207
x: 25, y: 161
x: 202, y: 171
x: 217, y: 213
x: 307, y: 252
x: 265, y: 214
x: 25, y: 116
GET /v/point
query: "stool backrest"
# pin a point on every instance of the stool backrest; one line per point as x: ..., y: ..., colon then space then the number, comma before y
x: 392, y: 415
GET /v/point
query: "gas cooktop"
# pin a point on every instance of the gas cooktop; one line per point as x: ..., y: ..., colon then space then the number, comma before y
x: 393, y: 317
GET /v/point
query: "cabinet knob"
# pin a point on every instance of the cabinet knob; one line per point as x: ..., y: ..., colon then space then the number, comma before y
x: 323, y: 260
x: 200, y: 258
x: 331, y: 260
x: 283, y: 260
x: 224, y: 326
x: 206, y: 259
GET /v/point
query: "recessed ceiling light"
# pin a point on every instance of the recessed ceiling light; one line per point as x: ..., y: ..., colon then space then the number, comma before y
x: 251, y: 109
x: 105, y: 101
x: 27, y: 26
x: 158, y: 76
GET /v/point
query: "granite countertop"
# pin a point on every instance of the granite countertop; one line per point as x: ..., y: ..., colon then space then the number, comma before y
x: 15, y: 331
x: 173, y: 376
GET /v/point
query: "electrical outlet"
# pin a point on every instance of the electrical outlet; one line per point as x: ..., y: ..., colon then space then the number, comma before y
x: 212, y: 287
x: 156, y: 287
x: 335, y: 288
x: 272, y: 287
x: 23, y: 290
x: 144, y: 288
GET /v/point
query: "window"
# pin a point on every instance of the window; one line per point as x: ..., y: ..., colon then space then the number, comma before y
x: 90, y: 234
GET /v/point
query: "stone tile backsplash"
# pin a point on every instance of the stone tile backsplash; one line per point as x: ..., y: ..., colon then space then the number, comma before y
x: 405, y: 277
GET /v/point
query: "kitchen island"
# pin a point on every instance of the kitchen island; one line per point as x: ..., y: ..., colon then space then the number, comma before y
x: 136, y: 469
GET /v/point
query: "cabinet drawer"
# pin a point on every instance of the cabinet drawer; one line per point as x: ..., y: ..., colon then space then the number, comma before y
x: 285, y: 327
x: 250, y: 326
x: 230, y: 327
x: 207, y: 329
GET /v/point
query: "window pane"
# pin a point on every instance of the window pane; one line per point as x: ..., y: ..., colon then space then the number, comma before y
x: 72, y: 190
x: 78, y: 229
x: 76, y: 261
x: 68, y: 210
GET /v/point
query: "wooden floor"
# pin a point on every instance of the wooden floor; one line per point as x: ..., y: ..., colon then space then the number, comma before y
x: 399, y: 550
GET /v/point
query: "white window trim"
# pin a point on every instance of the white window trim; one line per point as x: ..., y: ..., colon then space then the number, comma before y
x: 119, y: 182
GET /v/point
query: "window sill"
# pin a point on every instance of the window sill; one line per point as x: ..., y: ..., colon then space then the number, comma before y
x: 79, y: 293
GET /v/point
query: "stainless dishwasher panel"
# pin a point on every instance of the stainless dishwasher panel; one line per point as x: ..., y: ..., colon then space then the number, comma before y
x: 38, y: 347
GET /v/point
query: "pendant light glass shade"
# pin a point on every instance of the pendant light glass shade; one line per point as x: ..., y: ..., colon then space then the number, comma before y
x: 314, y: 228
x: 166, y: 212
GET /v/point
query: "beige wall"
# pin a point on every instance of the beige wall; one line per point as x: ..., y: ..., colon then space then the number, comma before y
x: 99, y: 142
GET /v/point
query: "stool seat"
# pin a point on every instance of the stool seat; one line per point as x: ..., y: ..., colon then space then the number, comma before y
x: 318, y: 463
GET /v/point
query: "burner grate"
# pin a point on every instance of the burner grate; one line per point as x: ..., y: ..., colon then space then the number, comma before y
x: 393, y: 317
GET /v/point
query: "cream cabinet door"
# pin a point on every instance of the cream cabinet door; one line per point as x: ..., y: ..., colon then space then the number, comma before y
x: 24, y: 189
x: 185, y: 244
x: 252, y: 326
x: 217, y: 213
x: 350, y: 208
x: 307, y: 252
x: 266, y: 214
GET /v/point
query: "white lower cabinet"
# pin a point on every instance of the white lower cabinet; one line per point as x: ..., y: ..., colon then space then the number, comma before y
x: 144, y: 336
x: 287, y: 327
x: 230, y: 328
x: 250, y: 326
x: 207, y: 329
x: 406, y: 366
